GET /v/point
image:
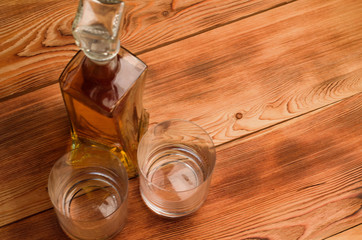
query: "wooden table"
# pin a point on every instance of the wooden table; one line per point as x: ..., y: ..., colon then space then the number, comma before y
x: 277, y: 84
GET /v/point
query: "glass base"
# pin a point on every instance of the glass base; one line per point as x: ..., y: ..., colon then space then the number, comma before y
x: 169, y: 214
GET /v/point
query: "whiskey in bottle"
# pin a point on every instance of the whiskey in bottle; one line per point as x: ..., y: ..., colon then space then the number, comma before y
x: 102, y: 85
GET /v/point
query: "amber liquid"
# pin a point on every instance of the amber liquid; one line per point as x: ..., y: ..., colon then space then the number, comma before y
x: 104, y: 104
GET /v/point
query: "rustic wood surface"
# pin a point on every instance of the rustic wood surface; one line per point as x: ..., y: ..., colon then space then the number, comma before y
x: 277, y: 84
x: 287, y: 186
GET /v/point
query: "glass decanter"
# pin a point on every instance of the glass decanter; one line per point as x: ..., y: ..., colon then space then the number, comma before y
x: 102, y: 85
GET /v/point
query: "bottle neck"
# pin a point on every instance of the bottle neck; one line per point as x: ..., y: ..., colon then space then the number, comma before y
x: 100, y: 74
x: 96, y: 29
x: 100, y: 58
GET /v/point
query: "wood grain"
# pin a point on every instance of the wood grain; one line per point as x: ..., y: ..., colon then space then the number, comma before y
x: 259, y: 71
x: 353, y: 233
x: 36, y: 40
x: 294, y: 181
x: 34, y: 133
x: 263, y: 70
x: 36, y: 43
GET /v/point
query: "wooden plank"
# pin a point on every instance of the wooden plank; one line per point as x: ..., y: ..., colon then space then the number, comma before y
x: 34, y: 133
x: 259, y: 71
x: 353, y: 233
x: 299, y: 180
x: 36, y: 41
x: 219, y: 93
x: 34, y: 227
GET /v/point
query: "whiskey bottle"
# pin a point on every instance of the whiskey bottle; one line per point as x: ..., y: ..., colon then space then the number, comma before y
x: 102, y: 85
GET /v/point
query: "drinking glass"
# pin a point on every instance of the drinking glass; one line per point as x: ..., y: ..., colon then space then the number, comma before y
x: 176, y: 159
x: 88, y: 188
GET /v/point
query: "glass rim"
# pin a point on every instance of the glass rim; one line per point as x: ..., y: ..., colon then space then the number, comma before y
x: 213, y: 160
x: 121, y: 167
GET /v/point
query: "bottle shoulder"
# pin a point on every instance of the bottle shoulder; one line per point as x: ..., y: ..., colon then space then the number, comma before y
x: 102, y: 87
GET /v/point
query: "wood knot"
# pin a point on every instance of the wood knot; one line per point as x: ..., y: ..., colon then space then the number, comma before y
x: 239, y: 115
x: 165, y: 13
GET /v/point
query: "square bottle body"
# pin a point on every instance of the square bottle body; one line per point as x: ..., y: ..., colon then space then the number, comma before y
x: 104, y: 104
